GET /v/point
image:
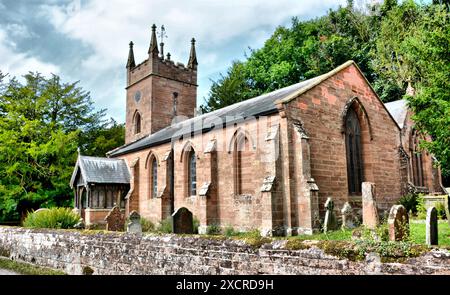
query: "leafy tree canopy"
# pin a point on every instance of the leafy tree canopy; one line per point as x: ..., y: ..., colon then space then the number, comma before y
x: 395, y: 44
x: 42, y: 123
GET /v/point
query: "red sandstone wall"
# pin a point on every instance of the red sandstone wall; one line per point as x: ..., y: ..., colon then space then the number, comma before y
x: 162, y: 102
x: 238, y: 211
x: 320, y: 110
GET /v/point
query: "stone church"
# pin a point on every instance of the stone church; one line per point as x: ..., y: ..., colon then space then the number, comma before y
x: 267, y: 163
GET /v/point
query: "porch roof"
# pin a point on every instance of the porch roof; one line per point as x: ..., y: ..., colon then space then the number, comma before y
x: 101, y: 170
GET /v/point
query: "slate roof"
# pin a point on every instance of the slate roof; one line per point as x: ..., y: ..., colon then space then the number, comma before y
x: 101, y: 170
x: 398, y: 110
x: 257, y: 106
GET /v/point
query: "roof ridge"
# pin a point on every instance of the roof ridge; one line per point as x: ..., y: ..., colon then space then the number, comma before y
x: 99, y: 158
x: 266, y: 103
x: 319, y: 79
x: 202, y: 116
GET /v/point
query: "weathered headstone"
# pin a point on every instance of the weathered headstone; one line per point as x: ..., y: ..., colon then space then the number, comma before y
x: 182, y: 221
x: 370, y: 213
x: 347, y: 217
x: 134, y: 226
x: 330, y: 222
x: 398, y: 222
x: 432, y: 226
x: 115, y: 220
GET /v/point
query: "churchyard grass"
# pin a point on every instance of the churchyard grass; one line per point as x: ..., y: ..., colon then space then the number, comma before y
x: 26, y: 269
x: 417, y: 231
x: 417, y: 234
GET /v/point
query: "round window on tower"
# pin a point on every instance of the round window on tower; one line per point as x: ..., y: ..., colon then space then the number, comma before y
x: 137, y: 96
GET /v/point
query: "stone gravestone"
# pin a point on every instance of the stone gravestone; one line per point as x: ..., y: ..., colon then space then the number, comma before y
x: 370, y: 213
x: 432, y: 227
x: 347, y: 217
x: 330, y: 222
x: 134, y: 226
x: 398, y: 222
x: 115, y: 220
x: 182, y: 221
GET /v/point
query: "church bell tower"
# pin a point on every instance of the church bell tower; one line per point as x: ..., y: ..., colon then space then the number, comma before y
x: 158, y: 90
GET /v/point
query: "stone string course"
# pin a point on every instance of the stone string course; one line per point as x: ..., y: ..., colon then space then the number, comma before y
x: 124, y: 253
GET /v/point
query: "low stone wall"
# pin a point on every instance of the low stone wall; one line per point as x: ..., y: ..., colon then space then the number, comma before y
x: 121, y: 253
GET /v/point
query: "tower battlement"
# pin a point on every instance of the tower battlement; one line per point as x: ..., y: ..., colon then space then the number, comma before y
x: 158, y: 89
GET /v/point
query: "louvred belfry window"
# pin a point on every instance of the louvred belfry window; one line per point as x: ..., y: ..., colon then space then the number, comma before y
x: 354, y: 154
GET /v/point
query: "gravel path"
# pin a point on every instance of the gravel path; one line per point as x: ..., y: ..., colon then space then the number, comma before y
x: 4, y: 272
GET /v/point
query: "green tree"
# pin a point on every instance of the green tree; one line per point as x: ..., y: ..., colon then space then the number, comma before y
x: 428, y: 53
x: 40, y: 125
x: 394, y: 44
x: 228, y: 89
x: 105, y: 138
x: 302, y: 51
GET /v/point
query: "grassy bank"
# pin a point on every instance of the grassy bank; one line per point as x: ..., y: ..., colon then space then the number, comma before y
x: 27, y: 269
x: 418, y: 233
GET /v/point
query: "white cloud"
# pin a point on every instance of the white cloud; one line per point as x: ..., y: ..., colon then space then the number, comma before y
x: 19, y: 30
x: 108, y: 26
x: 20, y: 63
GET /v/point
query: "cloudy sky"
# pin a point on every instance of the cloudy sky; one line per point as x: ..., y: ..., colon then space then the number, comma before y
x: 87, y: 40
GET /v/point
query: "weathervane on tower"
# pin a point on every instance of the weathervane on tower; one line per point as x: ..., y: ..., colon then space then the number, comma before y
x: 162, y: 35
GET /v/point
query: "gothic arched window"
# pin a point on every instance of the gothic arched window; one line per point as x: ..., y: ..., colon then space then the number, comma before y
x: 354, y: 154
x: 242, y: 157
x: 192, y: 173
x: 137, y: 123
x: 417, y: 164
x: 154, y: 178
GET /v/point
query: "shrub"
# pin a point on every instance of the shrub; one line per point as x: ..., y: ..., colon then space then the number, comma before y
x: 409, y: 201
x: 420, y: 208
x: 389, y: 250
x: 213, y: 229
x: 147, y: 225
x: 382, y: 231
x: 229, y: 231
x: 196, y: 225
x: 254, y: 238
x: 165, y: 226
x: 52, y: 218
x: 440, y: 208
